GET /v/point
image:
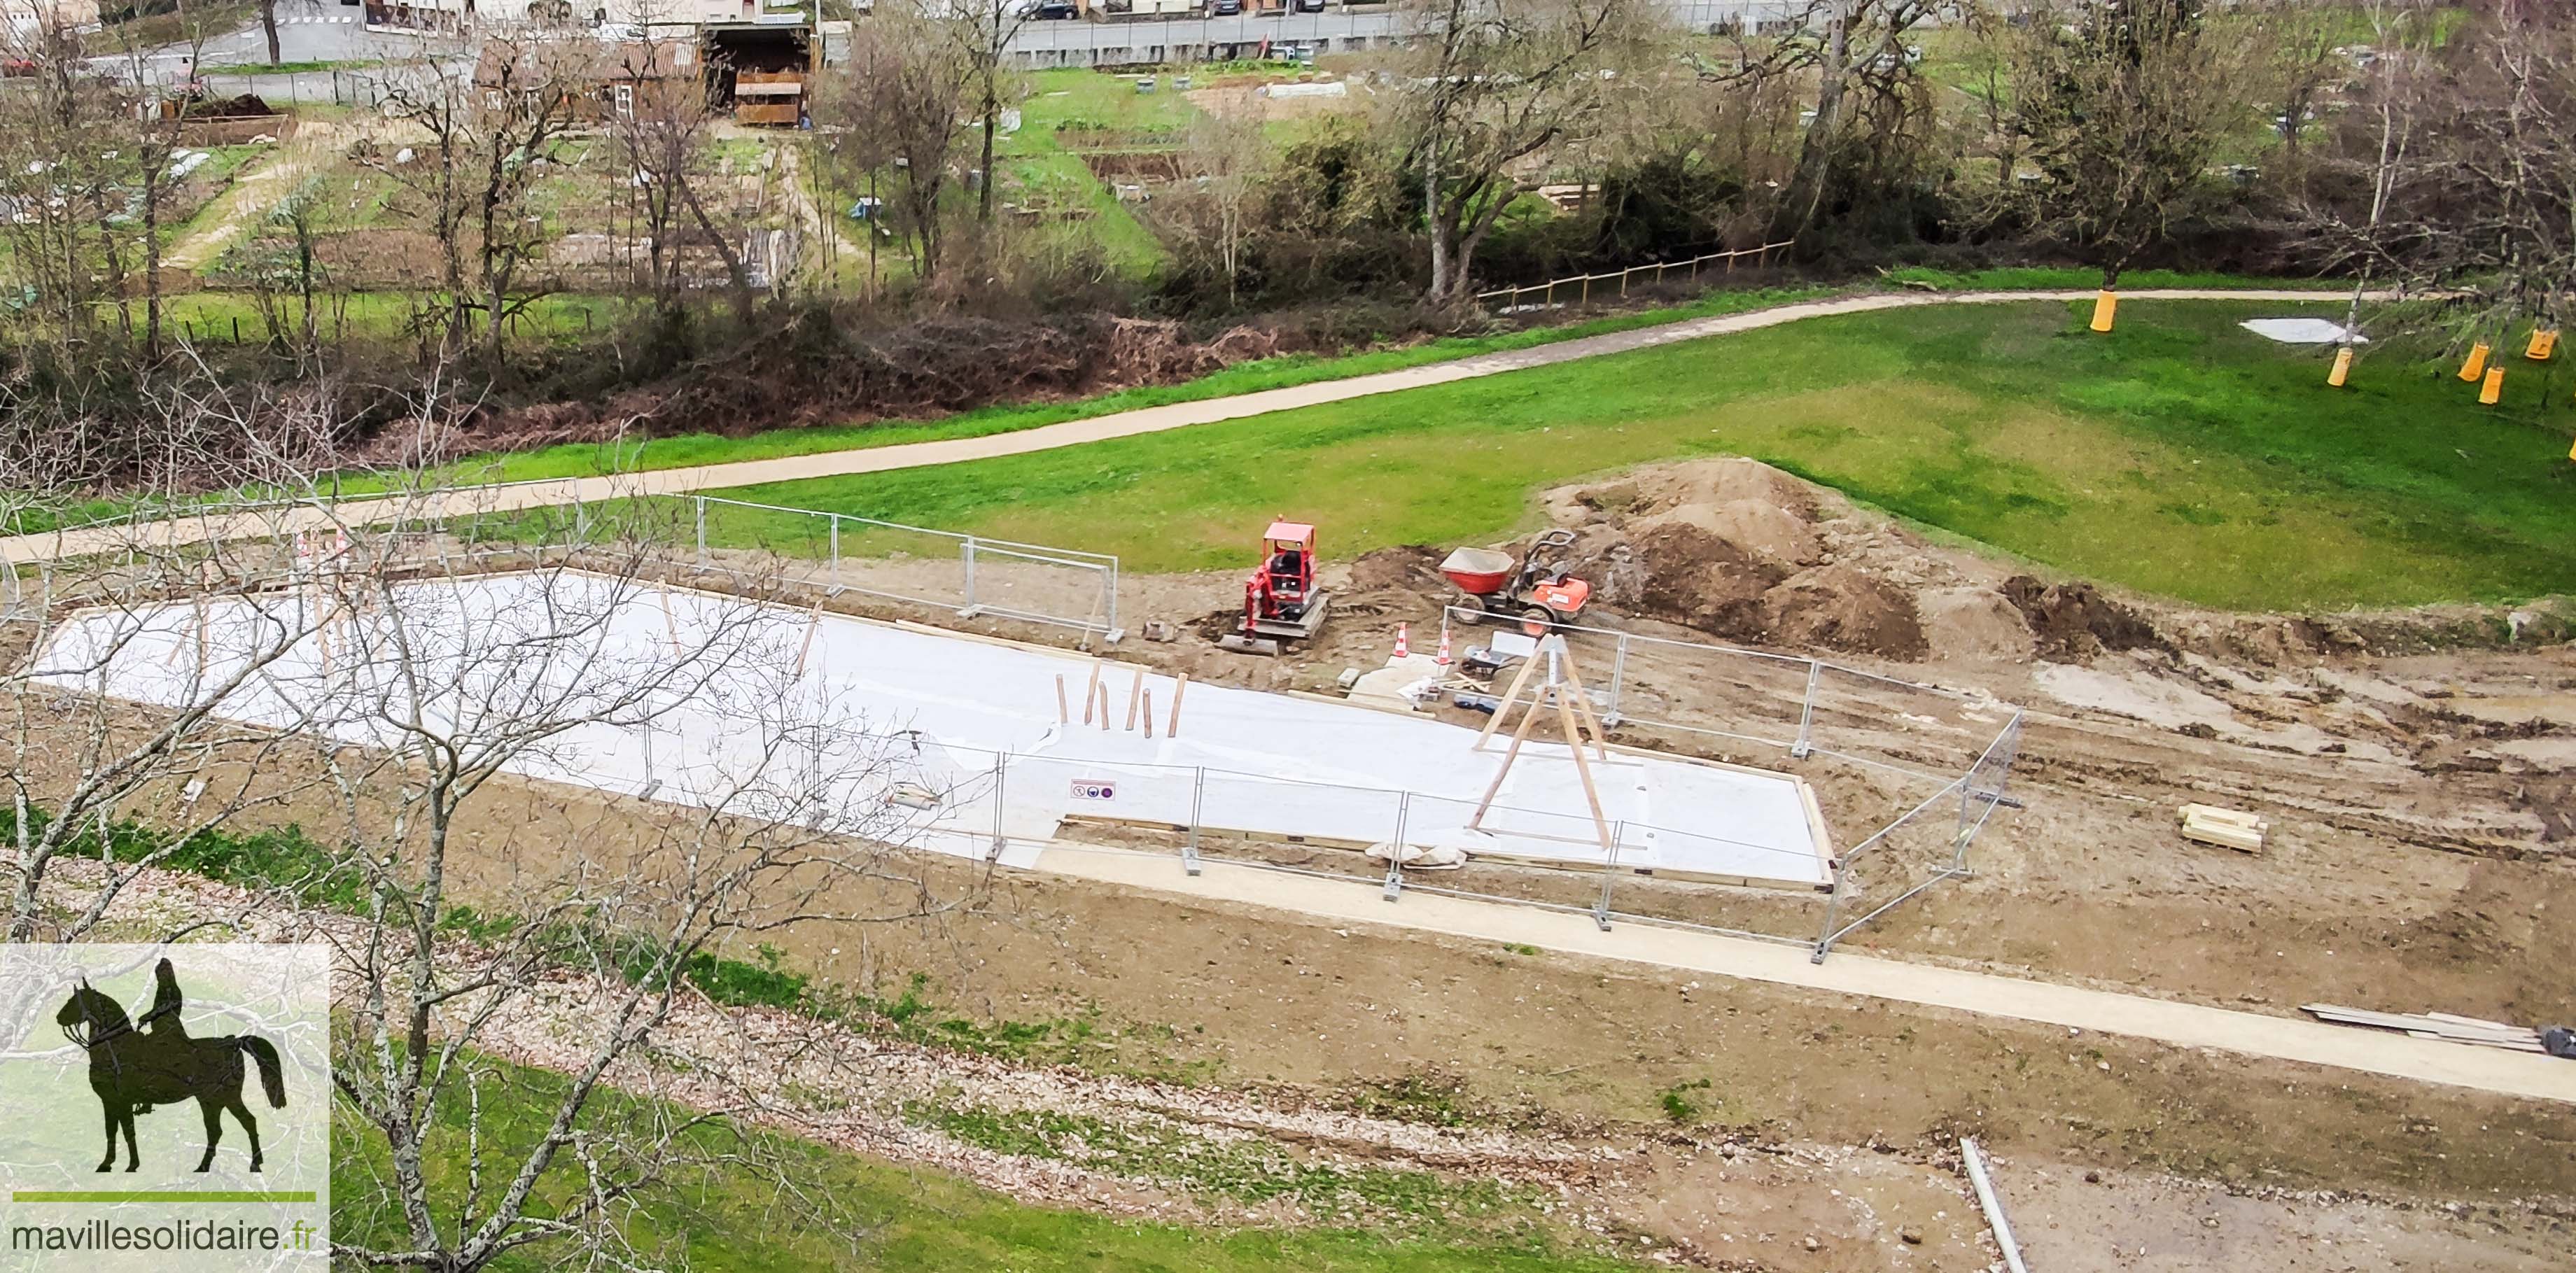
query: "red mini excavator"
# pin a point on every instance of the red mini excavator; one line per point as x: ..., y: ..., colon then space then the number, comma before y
x: 1280, y: 600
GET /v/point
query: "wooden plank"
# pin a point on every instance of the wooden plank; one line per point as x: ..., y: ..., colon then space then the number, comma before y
x: 2457, y: 1019
x: 2214, y: 813
x: 2224, y: 836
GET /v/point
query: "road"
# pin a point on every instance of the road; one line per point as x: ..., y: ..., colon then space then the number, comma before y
x: 486, y: 499
x: 327, y: 31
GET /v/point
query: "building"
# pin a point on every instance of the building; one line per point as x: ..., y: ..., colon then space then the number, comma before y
x: 27, y: 17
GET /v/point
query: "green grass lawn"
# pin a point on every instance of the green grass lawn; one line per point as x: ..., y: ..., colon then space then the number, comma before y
x: 2179, y: 456
x: 685, y: 450
x: 861, y: 1213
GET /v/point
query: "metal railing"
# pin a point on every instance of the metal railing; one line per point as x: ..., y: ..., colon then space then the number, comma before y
x: 1000, y: 578
x: 1655, y: 273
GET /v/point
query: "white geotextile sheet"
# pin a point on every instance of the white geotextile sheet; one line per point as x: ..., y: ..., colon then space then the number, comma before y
x: 878, y: 706
x: 2300, y: 331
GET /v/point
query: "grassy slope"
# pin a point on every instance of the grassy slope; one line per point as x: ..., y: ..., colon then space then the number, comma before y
x: 1057, y: 175
x: 583, y: 459
x: 2180, y: 456
x: 886, y: 1217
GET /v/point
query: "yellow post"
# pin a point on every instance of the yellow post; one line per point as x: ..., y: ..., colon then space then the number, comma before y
x: 2475, y: 365
x: 2104, y: 306
x: 2493, y: 388
x: 2342, y: 367
x: 2544, y: 342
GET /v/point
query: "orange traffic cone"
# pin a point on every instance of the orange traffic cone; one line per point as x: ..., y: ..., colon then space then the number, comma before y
x: 1402, y: 649
x: 1443, y: 660
x: 2342, y: 368
x: 2475, y: 365
x: 2493, y: 389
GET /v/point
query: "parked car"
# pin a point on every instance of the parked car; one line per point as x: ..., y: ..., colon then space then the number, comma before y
x: 1310, y: 6
x: 1225, y: 8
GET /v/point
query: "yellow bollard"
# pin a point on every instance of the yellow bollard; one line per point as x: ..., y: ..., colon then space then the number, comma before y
x: 2475, y: 364
x: 2342, y: 367
x: 2544, y: 342
x: 2493, y: 388
x: 2104, y: 306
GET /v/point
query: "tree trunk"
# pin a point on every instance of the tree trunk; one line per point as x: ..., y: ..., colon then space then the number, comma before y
x: 268, y: 24
x: 1431, y: 221
x: 1815, y: 153
x: 151, y: 257
x: 992, y: 124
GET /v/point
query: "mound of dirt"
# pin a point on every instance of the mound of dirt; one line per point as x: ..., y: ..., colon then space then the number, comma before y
x: 1743, y: 551
x: 1843, y: 607
x: 1695, y: 578
x: 1413, y: 567
x: 2074, y: 620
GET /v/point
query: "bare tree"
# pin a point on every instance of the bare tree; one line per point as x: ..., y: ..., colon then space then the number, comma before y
x: 660, y: 121
x: 770, y: 810
x: 2121, y: 105
x: 2347, y: 202
x: 980, y: 32
x: 893, y: 114
x: 2300, y: 40
x: 492, y: 117
x: 1216, y: 202
x: 123, y: 739
x: 1847, y: 46
x: 1493, y: 84
x: 2470, y: 166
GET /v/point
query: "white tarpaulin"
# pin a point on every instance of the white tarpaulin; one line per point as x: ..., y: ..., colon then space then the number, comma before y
x: 877, y: 715
x: 2300, y: 331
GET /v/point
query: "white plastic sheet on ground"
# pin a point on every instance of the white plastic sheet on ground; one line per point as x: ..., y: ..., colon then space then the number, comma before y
x: 880, y: 712
x: 2300, y: 331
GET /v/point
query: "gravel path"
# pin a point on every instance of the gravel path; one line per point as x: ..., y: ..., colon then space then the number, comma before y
x: 2184, y: 1025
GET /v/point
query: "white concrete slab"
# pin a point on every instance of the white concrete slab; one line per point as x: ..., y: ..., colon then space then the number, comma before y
x: 880, y: 709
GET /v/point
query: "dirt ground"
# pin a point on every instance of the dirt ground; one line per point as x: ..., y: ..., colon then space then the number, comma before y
x: 2412, y: 767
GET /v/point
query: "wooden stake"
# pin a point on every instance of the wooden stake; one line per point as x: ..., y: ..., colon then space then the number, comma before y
x: 1583, y: 708
x: 1583, y: 770
x: 669, y: 624
x: 1104, y: 709
x: 813, y: 624
x: 1519, y: 679
x: 1510, y: 754
x: 1172, y: 728
x: 1135, y: 692
x: 1089, y: 691
x: 1063, y: 712
x: 1149, y: 713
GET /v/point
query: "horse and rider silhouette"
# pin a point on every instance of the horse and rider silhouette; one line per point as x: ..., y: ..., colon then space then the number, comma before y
x: 136, y: 1067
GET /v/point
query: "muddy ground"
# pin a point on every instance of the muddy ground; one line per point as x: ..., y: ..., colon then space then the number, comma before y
x: 2411, y: 767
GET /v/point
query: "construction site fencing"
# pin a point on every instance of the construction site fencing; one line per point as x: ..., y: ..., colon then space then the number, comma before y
x: 1918, y: 770
x: 1196, y: 815
x: 1616, y: 282
x: 1937, y: 761
x: 972, y: 575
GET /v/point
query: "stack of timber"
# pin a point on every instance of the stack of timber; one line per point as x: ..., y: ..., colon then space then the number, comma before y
x: 2227, y: 828
x: 2448, y: 1027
